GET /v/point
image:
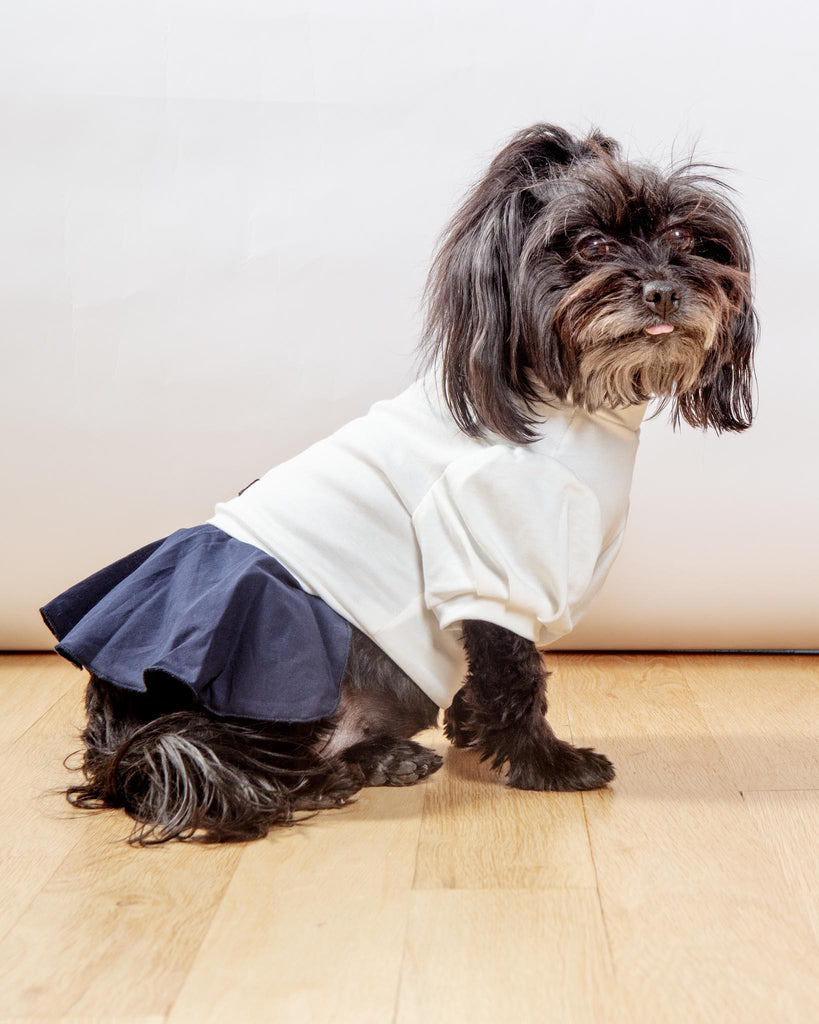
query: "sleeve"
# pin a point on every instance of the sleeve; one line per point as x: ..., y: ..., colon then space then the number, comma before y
x: 509, y: 536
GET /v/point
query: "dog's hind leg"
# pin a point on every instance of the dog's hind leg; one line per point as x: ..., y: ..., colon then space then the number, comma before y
x: 388, y: 761
x: 381, y: 707
x: 501, y: 711
x: 182, y: 772
x: 185, y: 773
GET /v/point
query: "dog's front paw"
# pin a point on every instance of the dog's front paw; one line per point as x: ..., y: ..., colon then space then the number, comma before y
x: 561, y: 767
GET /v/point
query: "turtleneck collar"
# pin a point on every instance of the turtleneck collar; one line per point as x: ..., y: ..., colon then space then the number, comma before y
x: 629, y: 416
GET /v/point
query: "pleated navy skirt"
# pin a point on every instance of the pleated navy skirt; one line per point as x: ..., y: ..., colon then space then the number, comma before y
x: 214, y: 613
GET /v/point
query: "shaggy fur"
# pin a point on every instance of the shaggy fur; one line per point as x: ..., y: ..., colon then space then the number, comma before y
x: 544, y: 284
x: 184, y: 773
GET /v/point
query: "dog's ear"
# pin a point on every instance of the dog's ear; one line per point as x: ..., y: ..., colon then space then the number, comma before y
x: 472, y: 326
x: 726, y: 402
x: 723, y: 399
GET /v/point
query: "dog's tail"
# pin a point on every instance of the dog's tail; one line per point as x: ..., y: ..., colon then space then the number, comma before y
x: 191, y: 775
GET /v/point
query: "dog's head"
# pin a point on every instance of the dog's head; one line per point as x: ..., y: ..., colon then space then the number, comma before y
x: 569, y: 269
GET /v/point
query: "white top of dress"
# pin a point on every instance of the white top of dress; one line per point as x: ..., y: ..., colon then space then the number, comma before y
x: 406, y: 526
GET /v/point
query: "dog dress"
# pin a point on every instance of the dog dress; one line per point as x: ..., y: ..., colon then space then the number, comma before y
x: 399, y: 524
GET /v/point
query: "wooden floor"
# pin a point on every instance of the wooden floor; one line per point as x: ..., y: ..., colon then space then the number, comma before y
x: 687, y: 891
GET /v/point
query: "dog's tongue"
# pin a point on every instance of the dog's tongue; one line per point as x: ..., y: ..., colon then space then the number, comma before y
x: 659, y: 329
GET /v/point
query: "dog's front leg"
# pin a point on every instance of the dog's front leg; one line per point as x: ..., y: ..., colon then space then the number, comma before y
x: 501, y: 711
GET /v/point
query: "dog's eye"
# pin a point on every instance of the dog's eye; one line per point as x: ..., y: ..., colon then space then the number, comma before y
x: 594, y: 248
x: 681, y: 239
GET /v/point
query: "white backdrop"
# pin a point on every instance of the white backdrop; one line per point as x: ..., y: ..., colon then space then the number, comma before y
x: 216, y: 221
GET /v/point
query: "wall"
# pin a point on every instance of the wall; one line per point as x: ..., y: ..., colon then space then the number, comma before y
x: 216, y: 222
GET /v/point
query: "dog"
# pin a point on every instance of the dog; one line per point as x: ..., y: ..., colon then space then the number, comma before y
x: 572, y: 287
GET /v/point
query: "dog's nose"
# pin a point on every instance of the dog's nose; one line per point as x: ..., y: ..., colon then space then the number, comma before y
x: 662, y: 297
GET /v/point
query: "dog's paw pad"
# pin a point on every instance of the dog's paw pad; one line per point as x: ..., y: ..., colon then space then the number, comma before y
x: 402, y: 765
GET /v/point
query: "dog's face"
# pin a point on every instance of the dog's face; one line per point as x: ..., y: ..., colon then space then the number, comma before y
x: 571, y: 270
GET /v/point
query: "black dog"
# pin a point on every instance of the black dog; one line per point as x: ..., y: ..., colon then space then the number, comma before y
x: 571, y: 284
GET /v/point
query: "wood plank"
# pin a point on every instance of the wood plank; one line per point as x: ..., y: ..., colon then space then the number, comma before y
x: 707, y: 906
x: 29, y: 685
x: 763, y: 710
x: 108, y: 1019
x: 516, y: 955
x: 788, y: 823
x: 38, y: 827
x: 478, y: 833
x: 701, y: 923
x: 113, y: 932
x: 311, y: 927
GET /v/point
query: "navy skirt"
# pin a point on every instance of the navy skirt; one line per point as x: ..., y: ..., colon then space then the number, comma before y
x: 211, y: 612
